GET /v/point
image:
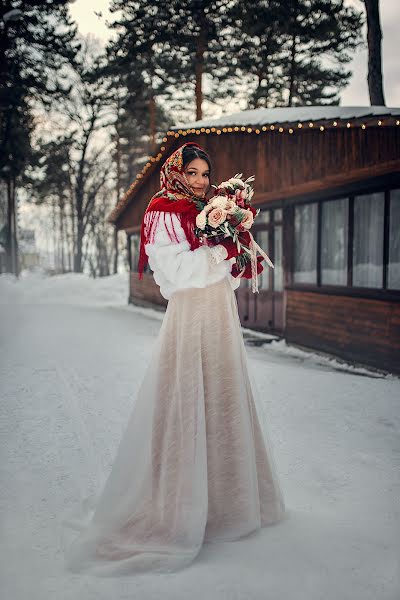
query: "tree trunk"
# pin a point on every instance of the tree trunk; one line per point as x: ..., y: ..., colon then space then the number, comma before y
x: 292, y: 71
x: 62, y: 232
x: 118, y: 185
x: 199, y: 65
x: 152, y: 114
x: 12, y: 265
x: 375, y: 83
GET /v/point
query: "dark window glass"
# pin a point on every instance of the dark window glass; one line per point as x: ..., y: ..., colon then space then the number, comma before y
x: 263, y: 216
x: 135, y: 239
x: 305, y: 243
x: 368, y: 240
x: 277, y: 271
x: 263, y: 242
x: 394, y: 241
x: 334, y: 227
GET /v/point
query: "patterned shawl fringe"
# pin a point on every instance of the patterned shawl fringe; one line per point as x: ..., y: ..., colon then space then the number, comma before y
x: 149, y: 227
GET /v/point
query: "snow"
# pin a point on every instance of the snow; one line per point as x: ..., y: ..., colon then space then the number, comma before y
x: 73, y: 354
x: 293, y: 114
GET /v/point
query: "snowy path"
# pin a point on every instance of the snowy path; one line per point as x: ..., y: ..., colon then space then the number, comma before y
x: 69, y: 371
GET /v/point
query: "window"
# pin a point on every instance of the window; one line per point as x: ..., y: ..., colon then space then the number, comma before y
x: 263, y: 242
x: 134, y: 241
x: 334, y: 227
x: 368, y: 240
x: 277, y: 271
x: 263, y: 216
x: 394, y: 241
x: 305, y: 243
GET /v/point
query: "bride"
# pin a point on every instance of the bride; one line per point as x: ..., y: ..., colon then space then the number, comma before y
x: 193, y: 465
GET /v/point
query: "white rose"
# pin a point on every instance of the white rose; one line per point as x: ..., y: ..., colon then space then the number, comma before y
x: 218, y: 202
x: 201, y: 220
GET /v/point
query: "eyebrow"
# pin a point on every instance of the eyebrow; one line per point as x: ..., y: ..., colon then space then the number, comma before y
x: 195, y: 169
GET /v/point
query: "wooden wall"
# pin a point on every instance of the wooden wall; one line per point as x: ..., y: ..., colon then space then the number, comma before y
x: 145, y: 292
x: 286, y: 164
x: 359, y: 329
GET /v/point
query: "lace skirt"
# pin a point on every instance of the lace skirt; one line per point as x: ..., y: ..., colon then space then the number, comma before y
x: 194, y: 464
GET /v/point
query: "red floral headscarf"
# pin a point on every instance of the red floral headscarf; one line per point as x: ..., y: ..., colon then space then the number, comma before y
x: 175, y: 196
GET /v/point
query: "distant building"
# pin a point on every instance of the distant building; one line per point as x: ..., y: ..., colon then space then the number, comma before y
x: 327, y: 180
x: 29, y: 257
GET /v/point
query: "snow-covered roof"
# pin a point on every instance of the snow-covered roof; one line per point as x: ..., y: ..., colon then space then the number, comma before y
x: 265, y: 116
x: 262, y: 119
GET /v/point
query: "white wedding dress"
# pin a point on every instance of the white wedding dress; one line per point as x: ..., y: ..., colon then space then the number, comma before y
x: 194, y: 464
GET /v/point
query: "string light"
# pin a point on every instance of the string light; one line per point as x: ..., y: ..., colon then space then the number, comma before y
x: 176, y: 134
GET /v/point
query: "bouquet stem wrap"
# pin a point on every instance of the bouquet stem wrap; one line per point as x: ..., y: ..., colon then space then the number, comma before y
x: 254, y: 248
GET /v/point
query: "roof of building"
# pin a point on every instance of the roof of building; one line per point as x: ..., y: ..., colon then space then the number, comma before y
x: 259, y: 120
x: 266, y: 116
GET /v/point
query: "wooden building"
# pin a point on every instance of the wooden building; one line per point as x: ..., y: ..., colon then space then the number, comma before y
x: 327, y: 180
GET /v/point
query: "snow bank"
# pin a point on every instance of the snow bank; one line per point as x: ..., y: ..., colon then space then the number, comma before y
x: 37, y: 287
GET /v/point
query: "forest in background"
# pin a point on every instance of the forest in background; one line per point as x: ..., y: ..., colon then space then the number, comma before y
x: 78, y: 121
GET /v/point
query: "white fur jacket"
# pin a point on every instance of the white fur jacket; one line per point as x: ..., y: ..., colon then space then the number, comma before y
x: 176, y: 267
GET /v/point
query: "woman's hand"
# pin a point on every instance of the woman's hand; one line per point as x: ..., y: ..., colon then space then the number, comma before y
x: 235, y: 271
x: 231, y: 248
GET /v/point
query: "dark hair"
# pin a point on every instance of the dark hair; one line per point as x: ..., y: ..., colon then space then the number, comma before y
x: 190, y: 153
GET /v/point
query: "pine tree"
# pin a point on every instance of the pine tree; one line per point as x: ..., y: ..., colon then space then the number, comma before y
x: 296, y: 50
x: 36, y: 41
x: 321, y: 34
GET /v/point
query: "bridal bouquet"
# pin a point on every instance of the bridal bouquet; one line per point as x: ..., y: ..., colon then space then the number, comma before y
x: 228, y: 213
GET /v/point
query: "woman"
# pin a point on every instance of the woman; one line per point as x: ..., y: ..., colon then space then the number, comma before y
x: 192, y: 466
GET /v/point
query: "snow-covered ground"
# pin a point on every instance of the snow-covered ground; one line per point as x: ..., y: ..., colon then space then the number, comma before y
x: 72, y: 357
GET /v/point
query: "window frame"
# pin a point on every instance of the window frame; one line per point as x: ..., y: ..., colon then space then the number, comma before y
x: 383, y: 293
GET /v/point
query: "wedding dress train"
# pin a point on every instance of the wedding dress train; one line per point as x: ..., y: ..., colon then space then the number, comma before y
x: 193, y: 465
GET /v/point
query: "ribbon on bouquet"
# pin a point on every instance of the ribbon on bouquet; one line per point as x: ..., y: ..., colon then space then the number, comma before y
x: 254, y: 248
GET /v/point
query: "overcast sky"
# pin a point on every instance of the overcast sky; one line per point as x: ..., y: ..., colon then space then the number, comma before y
x: 356, y: 94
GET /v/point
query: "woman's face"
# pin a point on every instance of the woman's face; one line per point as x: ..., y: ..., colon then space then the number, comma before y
x: 198, y: 175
